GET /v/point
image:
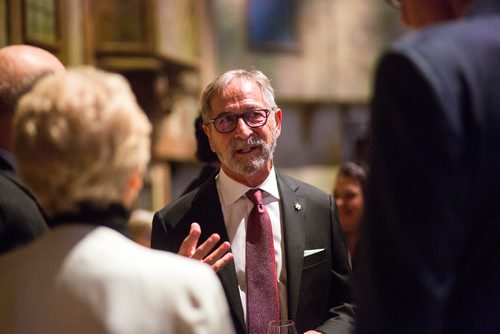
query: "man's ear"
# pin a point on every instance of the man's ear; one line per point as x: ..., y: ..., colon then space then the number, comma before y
x: 277, y: 119
x: 208, y: 132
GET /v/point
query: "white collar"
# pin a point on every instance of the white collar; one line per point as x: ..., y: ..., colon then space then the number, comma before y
x: 232, y: 190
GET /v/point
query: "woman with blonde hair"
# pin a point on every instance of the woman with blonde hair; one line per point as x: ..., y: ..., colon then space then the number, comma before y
x: 82, y: 143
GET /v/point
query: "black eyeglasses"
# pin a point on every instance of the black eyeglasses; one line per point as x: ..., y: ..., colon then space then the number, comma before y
x: 226, y: 122
x: 394, y: 3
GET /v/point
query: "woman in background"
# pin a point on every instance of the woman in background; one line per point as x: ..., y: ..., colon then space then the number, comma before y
x: 348, y: 192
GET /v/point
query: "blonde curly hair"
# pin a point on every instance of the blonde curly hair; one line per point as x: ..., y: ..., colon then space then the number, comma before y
x: 78, y: 137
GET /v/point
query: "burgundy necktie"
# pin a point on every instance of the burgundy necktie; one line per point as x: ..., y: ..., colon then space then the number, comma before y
x: 262, y: 283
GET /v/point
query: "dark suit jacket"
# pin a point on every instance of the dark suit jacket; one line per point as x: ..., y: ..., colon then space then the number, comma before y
x: 318, y: 285
x: 429, y: 260
x: 21, y: 220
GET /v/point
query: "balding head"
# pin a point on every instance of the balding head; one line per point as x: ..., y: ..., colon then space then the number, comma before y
x: 26, y: 60
x: 20, y: 67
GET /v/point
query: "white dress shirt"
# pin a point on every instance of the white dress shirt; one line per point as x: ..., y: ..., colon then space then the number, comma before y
x: 236, y: 207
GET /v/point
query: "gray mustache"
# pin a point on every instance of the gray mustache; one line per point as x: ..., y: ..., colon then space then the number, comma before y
x: 241, y: 144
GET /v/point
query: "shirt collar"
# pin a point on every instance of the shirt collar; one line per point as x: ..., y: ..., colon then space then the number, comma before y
x: 232, y: 190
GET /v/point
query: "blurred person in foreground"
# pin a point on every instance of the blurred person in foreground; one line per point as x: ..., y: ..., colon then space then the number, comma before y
x: 21, y: 219
x: 429, y: 255
x: 307, y: 274
x: 82, y: 143
x: 348, y: 192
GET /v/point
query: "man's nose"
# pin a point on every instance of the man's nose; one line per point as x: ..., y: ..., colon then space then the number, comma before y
x: 242, y: 129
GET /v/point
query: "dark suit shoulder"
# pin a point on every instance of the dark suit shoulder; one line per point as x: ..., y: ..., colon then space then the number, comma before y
x: 451, y: 42
x: 192, y: 206
x: 20, y: 217
x: 171, y: 224
x: 180, y: 205
x: 299, y: 186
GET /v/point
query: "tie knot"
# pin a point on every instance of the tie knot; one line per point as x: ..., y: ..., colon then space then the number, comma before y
x: 255, y: 195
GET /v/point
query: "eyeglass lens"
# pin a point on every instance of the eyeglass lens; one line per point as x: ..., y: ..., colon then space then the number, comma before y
x: 253, y: 118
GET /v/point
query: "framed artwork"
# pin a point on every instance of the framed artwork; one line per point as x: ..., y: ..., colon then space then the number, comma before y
x: 3, y: 23
x: 178, y: 34
x: 272, y: 24
x: 123, y: 26
x: 41, y: 25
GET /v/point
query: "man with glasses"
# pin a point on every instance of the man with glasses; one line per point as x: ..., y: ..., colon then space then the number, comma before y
x: 429, y: 256
x: 309, y: 268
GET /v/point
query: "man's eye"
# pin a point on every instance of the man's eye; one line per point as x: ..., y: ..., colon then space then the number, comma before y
x: 225, y: 119
x: 255, y: 114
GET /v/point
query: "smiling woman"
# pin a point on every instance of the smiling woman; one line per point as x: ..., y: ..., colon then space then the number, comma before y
x: 348, y: 192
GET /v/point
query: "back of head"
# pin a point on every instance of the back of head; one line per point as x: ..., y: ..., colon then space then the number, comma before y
x: 78, y: 137
x: 20, y: 67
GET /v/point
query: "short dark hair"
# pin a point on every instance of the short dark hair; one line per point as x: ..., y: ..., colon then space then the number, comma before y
x: 203, y: 151
x: 354, y: 171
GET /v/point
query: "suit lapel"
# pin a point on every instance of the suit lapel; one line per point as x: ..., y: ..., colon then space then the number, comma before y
x: 212, y: 220
x: 293, y: 208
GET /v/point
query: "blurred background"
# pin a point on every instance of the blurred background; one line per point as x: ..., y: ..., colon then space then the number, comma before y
x: 319, y: 55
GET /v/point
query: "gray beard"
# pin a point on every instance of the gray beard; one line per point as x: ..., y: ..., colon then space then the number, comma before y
x: 251, y: 166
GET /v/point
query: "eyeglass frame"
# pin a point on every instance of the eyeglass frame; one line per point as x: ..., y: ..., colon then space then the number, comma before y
x: 394, y: 3
x: 237, y: 117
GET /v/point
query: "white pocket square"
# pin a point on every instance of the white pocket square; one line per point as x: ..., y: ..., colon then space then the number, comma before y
x: 309, y: 252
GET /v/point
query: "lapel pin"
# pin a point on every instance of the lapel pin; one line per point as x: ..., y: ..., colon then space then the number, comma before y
x: 297, y: 206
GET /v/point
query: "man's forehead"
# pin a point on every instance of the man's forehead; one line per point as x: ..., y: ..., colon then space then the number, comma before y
x: 236, y: 91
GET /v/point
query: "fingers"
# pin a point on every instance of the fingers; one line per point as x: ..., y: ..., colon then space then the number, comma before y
x: 218, y: 265
x: 216, y: 259
x: 218, y: 253
x: 206, y: 247
x: 219, y: 257
x: 188, y: 247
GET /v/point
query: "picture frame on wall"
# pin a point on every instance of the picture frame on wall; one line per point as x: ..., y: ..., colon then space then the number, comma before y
x: 272, y: 25
x: 41, y: 23
x: 123, y: 26
x: 4, y: 35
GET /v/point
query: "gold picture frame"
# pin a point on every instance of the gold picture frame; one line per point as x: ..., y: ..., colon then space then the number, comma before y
x: 4, y: 32
x: 123, y: 26
x: 41, y: 23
